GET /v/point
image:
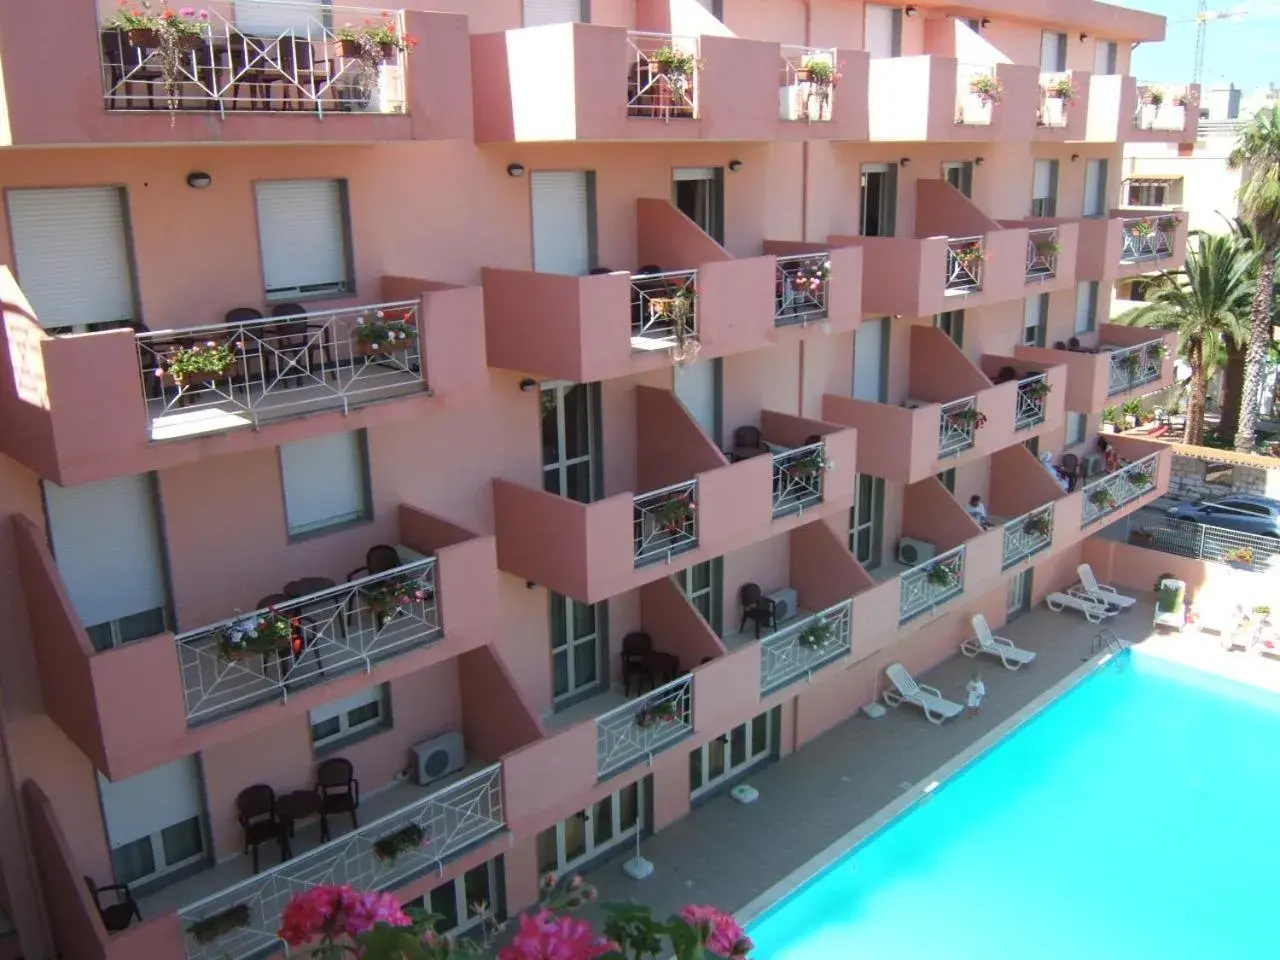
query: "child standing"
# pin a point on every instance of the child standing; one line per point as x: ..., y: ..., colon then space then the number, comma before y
x: 976, y: 690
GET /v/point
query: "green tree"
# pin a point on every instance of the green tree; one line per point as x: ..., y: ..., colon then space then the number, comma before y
x: 1207, y: 301
x: 1257, y: 154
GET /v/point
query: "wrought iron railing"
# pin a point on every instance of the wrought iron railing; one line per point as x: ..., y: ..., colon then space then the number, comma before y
x: 662, y: 83
x: 664, y: 312
x: 971, y: 107
x: 1161, y: 107
x: 643, y: 727
x: 225, y: 67
x: 956, y: 426
x: 1202, y: 541
x: 1053, y: 108
x: 1027, y: 535
x: 924, y: 587
x: 279, y: 366
x: 226, y: 670
x: 1032, y: 392
x: 1042, y: 253
x: 448, y: 822
x: 1147, y: 238
x: 964, y: 263
x: 804, y: 95
x: 797, y: 478
x: 799, y: 649
x: 801, y: 289
x: 1135, y: 366
x: 666, y: 522
x: 1108, y: 494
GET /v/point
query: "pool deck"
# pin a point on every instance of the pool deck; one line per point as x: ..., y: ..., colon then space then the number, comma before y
x: 820, y: 801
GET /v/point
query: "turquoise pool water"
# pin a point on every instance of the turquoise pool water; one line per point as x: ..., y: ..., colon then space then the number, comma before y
x: 1138, y: 818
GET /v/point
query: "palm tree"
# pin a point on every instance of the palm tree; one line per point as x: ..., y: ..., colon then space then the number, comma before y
x: 1257, y: 153
x: 1234, y: 360
x: 1207, y: 300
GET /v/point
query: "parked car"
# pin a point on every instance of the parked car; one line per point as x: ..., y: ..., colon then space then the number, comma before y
x: 1244, y: 512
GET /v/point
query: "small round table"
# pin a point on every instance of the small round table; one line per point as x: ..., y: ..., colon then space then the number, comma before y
x: 291, y: 808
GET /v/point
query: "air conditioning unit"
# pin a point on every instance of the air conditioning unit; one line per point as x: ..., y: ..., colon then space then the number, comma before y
x: 785, y: 603
x: 437, y: 758
x: 913, y: 552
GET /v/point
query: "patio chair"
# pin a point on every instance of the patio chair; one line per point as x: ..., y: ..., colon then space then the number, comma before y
x: 936, y: 707
x: 115, y: 916
x: 637, y: 662
x: 339, y: 792
x: 748, y: 443
x: 1100, y: 591
x: 986, y: 642
x: 1094, y: 611
x: 757, y: 608
x: 256, y: 812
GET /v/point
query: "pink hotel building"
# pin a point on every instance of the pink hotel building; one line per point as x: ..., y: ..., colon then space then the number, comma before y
x: 692, y: 377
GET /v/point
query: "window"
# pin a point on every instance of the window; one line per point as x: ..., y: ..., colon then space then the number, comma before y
x: 1148, y: 194
x: 726, y: 756
x: 605, y: 824
x: 155, y: 820
x: 1086, y: 306
x: 701, y: 584
x: 344, y: 719
x: 1035, y: 318
x: 948, y: 479
x: 570, y: 419
x: 1044, y: 189
x: 539, y: 12
x: 1053, y: 52
x: 464, y: 902
x: 866, y: 532
x: 303, y: 231
x: 326, y: 482
x: 576, y: 648
x: 1095, y: 188
x: 952, y: 324
x: 1077, y: 424
x: 959, y: 173
x: 1104, y: 58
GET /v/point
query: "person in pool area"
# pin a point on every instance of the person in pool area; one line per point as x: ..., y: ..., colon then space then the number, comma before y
x: 976, y: 690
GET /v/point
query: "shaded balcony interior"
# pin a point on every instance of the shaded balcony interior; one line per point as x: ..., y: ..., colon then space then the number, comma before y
x: 816, y: 284
x: 1021, y: 495
x: 802, y: 452
x: 1035, y: 382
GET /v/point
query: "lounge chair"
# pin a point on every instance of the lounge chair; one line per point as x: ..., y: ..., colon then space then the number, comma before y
x: 936, y: 707
x: 1171, y: 610
x: 1093, y: 610
x: 1011, y: 656
x: 1100, y: 591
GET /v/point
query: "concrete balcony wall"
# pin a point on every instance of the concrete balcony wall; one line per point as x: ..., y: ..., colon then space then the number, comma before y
x: 1068, y: 239
x: 823, y: 571
x: 1114, y: 106
x: 915, y: 99
x: 1089, y: 374
x: 1076, y: 114
x: 1098, y: 254
x: 496, y: 718
x: 678, y: 628
x: 930, y: 513
x: 67, y: 106
x: 1019, y: 483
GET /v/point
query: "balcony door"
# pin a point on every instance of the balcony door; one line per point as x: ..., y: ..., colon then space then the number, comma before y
x: 1053, y: 52
x: 578, y: 642
x: 1095, y: 188
x: 571, y: 440
x: 698, y: 193
x: 866, y: 532
x: 952, y: 324
x: 959, y: 173
x: 698, y: 386
x: 583, y: 836
x: 879, y: 199
x: 728, y: 755
x: 1104, y: 58
x: 1044, y: 189
x: 1018, y: 597
x: 540, y: 12
x: 883, y: 30
x: 1035, y: 320
x: 562, y: 204
x: 155, y: 822
x: 702, y: 585
x: 871, y: 360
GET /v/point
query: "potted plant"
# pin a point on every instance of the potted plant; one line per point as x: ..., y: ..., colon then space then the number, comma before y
x: 199, y: 363
x: 1143, y: 229
x: 987, y: 88
x: 389, y: 595
x: 1037, y: 390
x: 1169, y: 222
x: 404, y: 840
x: 258, y: 634
x: 370, y: 45
x: 1240, y: 557
x: 968, y: 417
x: 1037, y: 526
x: 819, y: 71
x: 1181, y: 100
x: 1141, y: 477
x: 209, y: 929
x: 1047, y: 248
x: 172, y: 35
x: 1171, y: 596
x: 1061, y: 88
x: 1110, y: 419
x: 674, y: 64
x: 811, y: 464
x: 1102, y: 498
x: 811, y: 279
x: 1153, y: 97
x: 382, y: 334
x: 818, y: 635
x: 968, y: 255
x: 675, y: 513
x: 941, y: 575
x: 1131, y: 363
x: 650, y: 715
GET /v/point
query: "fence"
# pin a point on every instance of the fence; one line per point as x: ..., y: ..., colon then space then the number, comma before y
x: 644, y: 726
x: 801, y: 289
x: 796, y: 651
x: 1146, y: 238
x: 922, y: 588
x: 1198, y: 541
x: 957, y: 425
x: 964, y: 263
x: 662, y: 82
x: 1108, y: 494
x: 666, y: 522
x: 797, y: 478
x: 1042, y: 253
x: 1032, y: 392
x: 664, y: 311
x: 1027, y: 535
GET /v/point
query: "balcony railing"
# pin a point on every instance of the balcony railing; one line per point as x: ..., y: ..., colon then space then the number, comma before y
x: 643, y: 727
x: 1108, y: 494
x: 957, y: 426
x: 664, y: 312
x: 802, y: 289
x: 803, y: 93
x: 1042, y: 253
x: 1135, y: 366
x: 450, y: 821
x: 1027, y: 535
x: 964, y: 264
x: 797, y: 651
x: 1053, y: 107
x: 226, y: 669
x: 1032, y: 392
x: 922, y: 588
x: 972, y: 107
x: 663, y: 79
x: 666, y: 522
x: 220, y: 66
x: 1161, y: 107
x: 278, y: 367
x: 1147, y: 238
x: 797, y: 478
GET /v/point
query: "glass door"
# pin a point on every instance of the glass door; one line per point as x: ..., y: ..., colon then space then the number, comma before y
x: 959, y: 173
x: 698, y: 193
x: 952, y: 324
x: 879, y: 199
x: 866, y: 533
x: 605, y: 824
x: 570, y: 415
x: 1019, y: 594
x: 744, y: 746
x: 577, y: 630
x: 701, y: 583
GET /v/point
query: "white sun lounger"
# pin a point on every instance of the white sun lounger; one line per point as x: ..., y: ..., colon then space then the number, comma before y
x: 1100, y: 591
x: 1093, y: 611
x: 936, y: 707
x: 986, y: 642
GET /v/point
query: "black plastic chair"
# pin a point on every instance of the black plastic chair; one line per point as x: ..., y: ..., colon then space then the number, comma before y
x: 256, y: 811
x: 381, y: 558
x: 637, y: 661
x: 757, y: 608
x: 339, y: 792
x: 115, y: 916
x: 747, y: 443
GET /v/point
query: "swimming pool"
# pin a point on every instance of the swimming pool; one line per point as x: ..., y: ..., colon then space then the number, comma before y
x: 1134, y: 819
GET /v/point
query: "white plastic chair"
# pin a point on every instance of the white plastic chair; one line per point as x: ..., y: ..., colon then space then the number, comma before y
x: 936, y: 707
x: 1100, y: 591
x: 1093, y: 610
x: 986, y: 642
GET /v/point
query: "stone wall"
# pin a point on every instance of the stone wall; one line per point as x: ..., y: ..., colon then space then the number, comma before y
x: 1195, y: 479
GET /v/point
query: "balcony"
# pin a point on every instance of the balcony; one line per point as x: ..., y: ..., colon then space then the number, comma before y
x: 1039, y: 402
x: 815, y: 289
x: 811, y: 107
x: 1064, y: 106
x: 1023, y: 500
x: 321, y: 641
x: 292, y: 81
x: 1126, y: 362
x: 802, y: 648
x: 1130, y: 243
x: 928, y: 98
x: 91, y: 406
x: 1109, y: 494
x: 1052, y: 250
x: 1122, y: 109
x: 644, y: 727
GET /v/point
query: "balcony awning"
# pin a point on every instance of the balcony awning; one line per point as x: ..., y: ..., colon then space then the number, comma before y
x: 1153, y: 179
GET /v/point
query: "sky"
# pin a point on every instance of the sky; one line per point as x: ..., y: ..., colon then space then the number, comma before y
x: 1240, y: 51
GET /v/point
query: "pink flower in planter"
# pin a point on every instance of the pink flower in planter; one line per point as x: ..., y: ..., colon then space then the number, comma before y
x: 545, y: 936
x: 722, y: 934
x: 337, y: 911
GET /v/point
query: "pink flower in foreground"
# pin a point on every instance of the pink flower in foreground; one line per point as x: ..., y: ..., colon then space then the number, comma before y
x: 721, y: 934
x: 545, y: 936
x: 369, y: 909
x: 337, y: 911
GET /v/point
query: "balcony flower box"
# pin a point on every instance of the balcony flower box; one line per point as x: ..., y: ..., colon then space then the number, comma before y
x: 676, y: 514
x: 1038, y: 526
x: 404, y: 840
x: 806, y: 467
x: 260, y: 635
x: 969, y: 255
x: 818, y: 637
x: 374, y: 40
x: 200, y: 363
x: 219, y: 925
x: 969, y: 417
x: 941, y: 575
x: 659, y: 713
x: 382, y: 334
x: 1102, y: 499
x: 387, y: 597
x: 1037, y: 390
x: 987, y: 88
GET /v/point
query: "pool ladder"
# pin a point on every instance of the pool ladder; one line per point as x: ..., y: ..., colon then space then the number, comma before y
x: 1104, y: 641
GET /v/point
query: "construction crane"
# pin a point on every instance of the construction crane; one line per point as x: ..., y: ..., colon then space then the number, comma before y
x: 1204, y: 16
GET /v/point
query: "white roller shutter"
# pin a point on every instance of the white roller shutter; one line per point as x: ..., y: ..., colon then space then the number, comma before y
x: 72, y: 254
x: 151, y: 801
x: 868, y: 360
x: 1086, y: 306
x: 324, y: 481
x: 561, y: 242
x: 1053, y: 52
x: 303, y: 234
x: 106, y: 542
x: 302, y: 17
x: 539, y: 12
x: 883, y: 31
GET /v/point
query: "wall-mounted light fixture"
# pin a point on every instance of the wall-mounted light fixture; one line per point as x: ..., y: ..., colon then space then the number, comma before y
x: 198, y: 180
x: 1075, y: 157
x: 904, y: 161
x: 1084, y: 37
x: 527, y: 384
x: 910, y: 11
x: 984, y: 22
x: 735, y: 166
x: 515, y: 169
x: 979, y: 161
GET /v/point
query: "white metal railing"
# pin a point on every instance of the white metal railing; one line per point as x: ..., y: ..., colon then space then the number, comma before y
x: 1108, y: 494
x: 664, y: 311
x: 797, y: 478
x: 450, y: 820
x: 955, y: 433
x: 643, y: 727
x: 801, y: 289
x: 1147, y: 238
x: 1027, y: 535
x: 1053, y: 109
x: 964, y: 263
x: 281, y: 366
x: 1135, y: 366
x: 799, y: 649
x: 1032, y: 391
x: 972, y: 108
x: 800, y: 95
x: 666, y: 522
x: 1042, y: 253
x: 226, y: 67
x: 656, y: 88
x: 333, y: 632
x: 1161, y: 107
x: 936, y: 581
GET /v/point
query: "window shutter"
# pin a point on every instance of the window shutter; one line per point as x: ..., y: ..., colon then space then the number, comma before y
x: 540, y: 12
x: 336, y: 708
x: 560, y: 203
x: 302, y: 230
x: 151, y: 801
x: 324, y: 481
x: 72, y: 254
x: 301, y: 17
